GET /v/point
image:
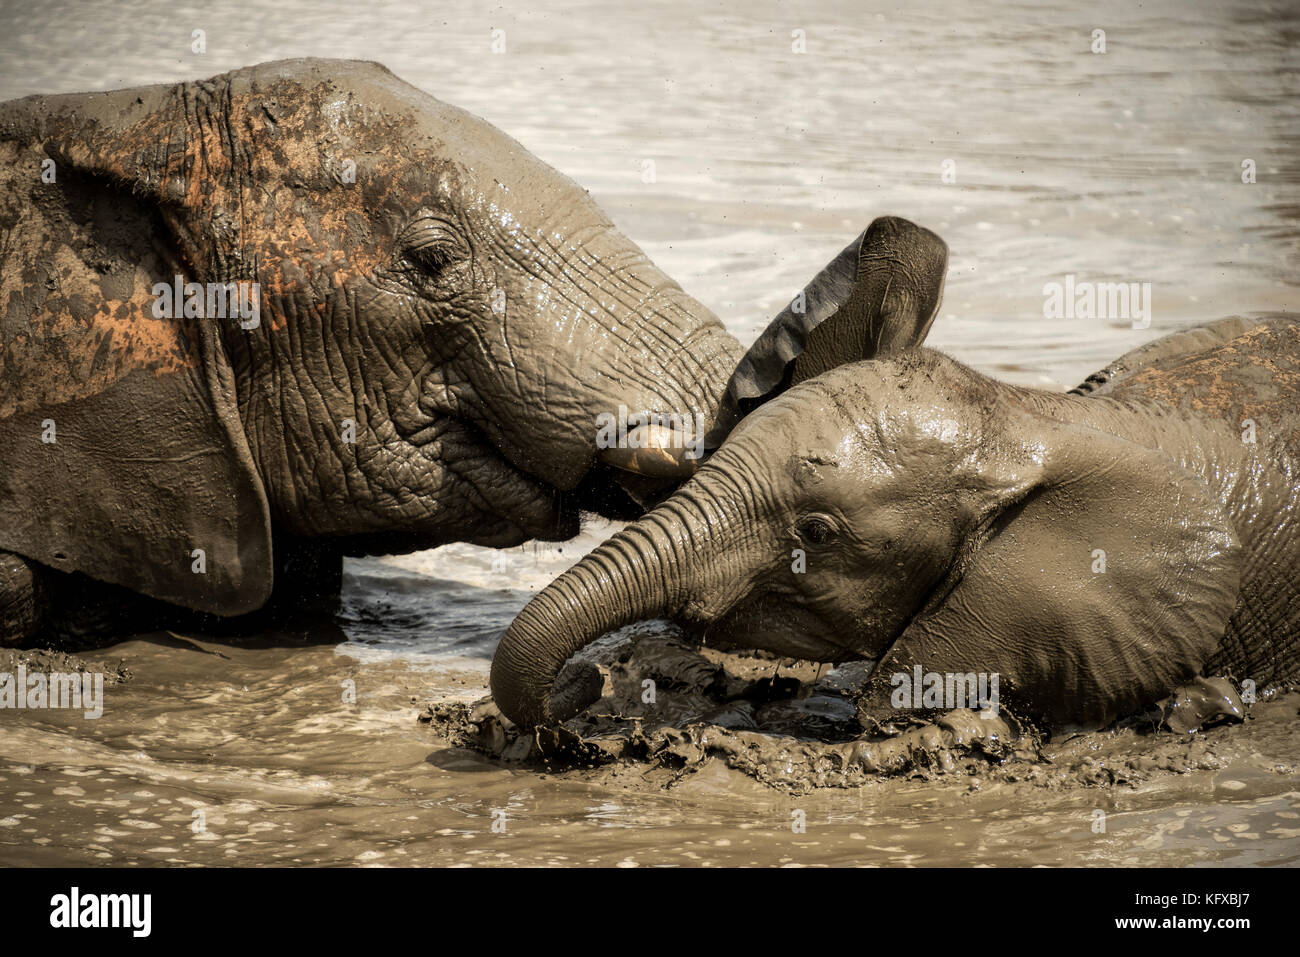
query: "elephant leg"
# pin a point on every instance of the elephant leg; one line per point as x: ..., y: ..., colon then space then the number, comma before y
x: 308, y: 574
x: 24, y: 599
x: 306, y: 588
x: 73, y: 611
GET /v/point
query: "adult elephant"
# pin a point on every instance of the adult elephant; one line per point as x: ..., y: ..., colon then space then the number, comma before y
x: 438, y: 319
x: 1095, y: 551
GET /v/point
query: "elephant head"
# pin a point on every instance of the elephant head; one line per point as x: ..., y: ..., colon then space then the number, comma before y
x: 911, y: 511
x: 440, y: 318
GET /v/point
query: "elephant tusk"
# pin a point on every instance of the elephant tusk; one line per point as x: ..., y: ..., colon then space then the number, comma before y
x: 654, y: 450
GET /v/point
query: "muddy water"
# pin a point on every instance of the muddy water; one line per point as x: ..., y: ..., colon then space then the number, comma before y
x: 1124, y: 166
x: 213, y: 754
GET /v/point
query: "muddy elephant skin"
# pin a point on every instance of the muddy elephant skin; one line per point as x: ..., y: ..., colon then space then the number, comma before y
x: 1095, y: 550
x: 437, y: 320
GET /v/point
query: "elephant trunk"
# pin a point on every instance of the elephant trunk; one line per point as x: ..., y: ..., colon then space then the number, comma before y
x: 633, y: 576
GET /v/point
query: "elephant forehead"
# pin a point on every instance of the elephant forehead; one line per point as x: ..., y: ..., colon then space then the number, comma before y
x: 827, y: 433
x: 396, y: 124
x: 349, y: 146
x: 797, y: 434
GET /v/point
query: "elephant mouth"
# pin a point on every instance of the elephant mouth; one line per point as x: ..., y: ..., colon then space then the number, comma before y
x: 606, y: 491
x: 778, y: 622
x: 774, y: 627
x: 513, y: 505
x: 929, y: 601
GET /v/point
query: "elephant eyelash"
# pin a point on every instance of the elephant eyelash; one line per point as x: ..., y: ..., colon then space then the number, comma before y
x: 431, y: 256
x: 431, y: 247
x: 816, y: 530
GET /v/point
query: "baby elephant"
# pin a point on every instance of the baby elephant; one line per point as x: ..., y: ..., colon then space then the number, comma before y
x: 1093, y: 550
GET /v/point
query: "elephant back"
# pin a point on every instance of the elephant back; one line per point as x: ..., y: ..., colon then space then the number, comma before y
x: 1241, y: 372
x: 1246, y: 380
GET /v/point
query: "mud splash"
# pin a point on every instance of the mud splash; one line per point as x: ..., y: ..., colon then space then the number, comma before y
x: 51, y: 661
x: 670, y: 710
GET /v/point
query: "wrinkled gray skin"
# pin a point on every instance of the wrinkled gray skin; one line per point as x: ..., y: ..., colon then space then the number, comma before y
x: 423, y: 276
x: 957, y: 523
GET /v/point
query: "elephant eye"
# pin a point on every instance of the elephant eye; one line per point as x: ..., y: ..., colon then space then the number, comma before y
x: 816, y: 530
x: 429, y: 244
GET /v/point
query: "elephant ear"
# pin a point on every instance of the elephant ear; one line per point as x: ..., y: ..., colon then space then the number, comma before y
x: 877, y: 297
x: 124, y: 455
x: 1102, y: 577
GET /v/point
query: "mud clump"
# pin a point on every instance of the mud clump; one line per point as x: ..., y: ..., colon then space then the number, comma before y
x: 51, y: 661
x: 670, y: 709
x: 1200, y: 704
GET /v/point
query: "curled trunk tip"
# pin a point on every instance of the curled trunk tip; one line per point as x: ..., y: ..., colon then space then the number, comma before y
x: 630, y: 578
